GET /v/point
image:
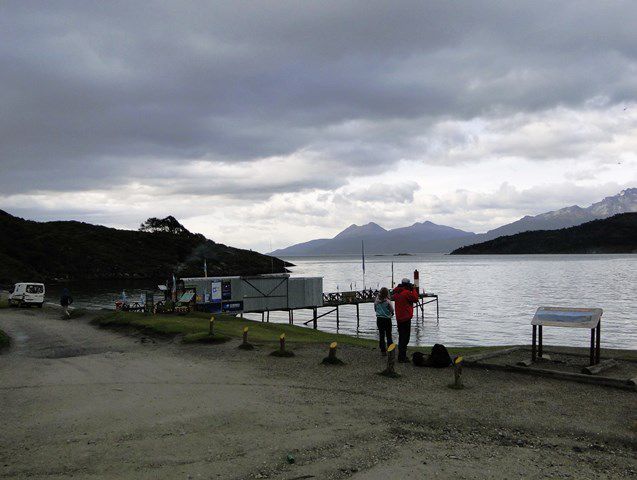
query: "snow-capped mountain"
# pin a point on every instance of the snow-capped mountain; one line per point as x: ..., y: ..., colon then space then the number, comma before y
x: 428, y: 237
x: 623, y: 202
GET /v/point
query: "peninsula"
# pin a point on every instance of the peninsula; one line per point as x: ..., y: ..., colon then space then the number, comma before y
x: 617, y: 234
x: 72, y: 251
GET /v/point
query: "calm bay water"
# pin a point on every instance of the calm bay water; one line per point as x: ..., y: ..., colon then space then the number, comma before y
x: 490, y: 300
x: 484, y: 300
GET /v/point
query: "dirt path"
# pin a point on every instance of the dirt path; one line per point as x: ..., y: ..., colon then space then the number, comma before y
x: 87, y: 403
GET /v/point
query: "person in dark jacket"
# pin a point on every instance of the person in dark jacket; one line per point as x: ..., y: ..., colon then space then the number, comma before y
x: 384, y: 312
x: 65, y: 301
x: 404, y: 296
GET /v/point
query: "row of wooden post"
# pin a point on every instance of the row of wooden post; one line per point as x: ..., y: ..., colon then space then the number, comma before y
x: 390, y: 370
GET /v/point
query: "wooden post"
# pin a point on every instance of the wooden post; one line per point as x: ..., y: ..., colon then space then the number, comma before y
x: 539, y: 341
x: 391, y: 363
x: 598, y: 341
x: 358, y: 315
x: 282, y: 352
x: 337, y: 318
x: 331, y: 356
x: 246, y: 345
x: 268, y: 316
x: 262, y: 317
x: 211, y: 326
x: 533, y: 351
x: 592, y: 352
x: 457, y: 373
x: 314, y: 319
x: 332, y: 353
x: 437, y: 312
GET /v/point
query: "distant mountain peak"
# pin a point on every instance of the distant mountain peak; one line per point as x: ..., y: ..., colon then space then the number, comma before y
x: 354, y: 230
x: 623, y: 202
x: 427, y: 236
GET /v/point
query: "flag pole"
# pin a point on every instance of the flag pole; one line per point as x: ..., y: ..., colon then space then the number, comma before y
x: 363, y: 253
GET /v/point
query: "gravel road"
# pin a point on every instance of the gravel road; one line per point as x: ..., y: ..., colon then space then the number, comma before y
x: 81, y: 402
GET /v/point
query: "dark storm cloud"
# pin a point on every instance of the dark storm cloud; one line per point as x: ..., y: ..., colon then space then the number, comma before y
x: 94, y: 93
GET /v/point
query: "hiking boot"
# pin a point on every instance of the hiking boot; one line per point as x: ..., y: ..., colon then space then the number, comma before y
x: 403, y: 360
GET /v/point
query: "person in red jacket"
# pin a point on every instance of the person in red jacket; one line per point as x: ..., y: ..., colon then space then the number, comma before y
x: 404, y: 297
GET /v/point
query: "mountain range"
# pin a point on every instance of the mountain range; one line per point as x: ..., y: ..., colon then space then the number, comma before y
x: 428, y: 237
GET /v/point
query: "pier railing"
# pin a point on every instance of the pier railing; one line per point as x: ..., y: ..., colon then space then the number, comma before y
x: 340, y: 298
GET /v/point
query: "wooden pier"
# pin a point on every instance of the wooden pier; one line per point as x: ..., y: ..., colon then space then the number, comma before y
x: 336, y: 300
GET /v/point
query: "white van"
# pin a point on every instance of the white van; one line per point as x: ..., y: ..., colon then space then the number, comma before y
x: 27, y: 294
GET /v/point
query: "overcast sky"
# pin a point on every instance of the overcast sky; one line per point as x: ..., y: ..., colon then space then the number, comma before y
x: 259, y: 122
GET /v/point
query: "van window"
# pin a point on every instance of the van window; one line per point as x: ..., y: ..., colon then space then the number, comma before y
x: 35, y: 289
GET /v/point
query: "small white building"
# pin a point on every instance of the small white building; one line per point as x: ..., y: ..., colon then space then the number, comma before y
x: 259, y: 293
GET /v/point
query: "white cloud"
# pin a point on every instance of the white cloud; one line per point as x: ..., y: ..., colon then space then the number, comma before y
x: 251, y: 122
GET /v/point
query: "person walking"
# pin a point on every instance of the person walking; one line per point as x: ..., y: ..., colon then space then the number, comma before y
x: 65, y: 301
x: 384, y: 312
x: 404, y: 296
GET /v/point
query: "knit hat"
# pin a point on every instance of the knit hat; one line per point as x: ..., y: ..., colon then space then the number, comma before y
x: 405, y: 281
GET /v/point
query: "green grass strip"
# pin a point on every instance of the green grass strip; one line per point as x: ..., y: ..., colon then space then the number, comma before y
x: 5, y: 340
x: 195, y: 327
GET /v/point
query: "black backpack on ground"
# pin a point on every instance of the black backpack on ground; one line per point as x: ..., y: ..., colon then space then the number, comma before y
x: 439, y: 357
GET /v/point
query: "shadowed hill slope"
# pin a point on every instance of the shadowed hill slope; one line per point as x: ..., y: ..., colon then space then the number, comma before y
x: 617, y: 234
x: 69, y: 250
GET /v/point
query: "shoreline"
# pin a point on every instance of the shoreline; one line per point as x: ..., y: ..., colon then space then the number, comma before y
x: 625, y: 353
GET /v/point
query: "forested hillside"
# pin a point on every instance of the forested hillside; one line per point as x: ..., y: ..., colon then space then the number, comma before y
x: 68, y: 250
x: 617, y: 234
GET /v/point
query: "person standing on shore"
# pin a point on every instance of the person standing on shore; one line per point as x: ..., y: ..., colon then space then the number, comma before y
x: 404, y: 296
x: 384, y: 312
x: 65, y: 301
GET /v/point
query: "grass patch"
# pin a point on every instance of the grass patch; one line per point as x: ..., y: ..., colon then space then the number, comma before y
x: 204, y: 337
x: 77, y: 313
x: 4, y: 303
x: 194, y: 327
x: 225, y: 326
x: 5, y: 340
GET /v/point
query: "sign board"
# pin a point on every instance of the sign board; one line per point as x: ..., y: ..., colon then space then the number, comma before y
x: 226, y: 290
x: 567, y: 317
x: 215, y: 292
x: 232, y: 306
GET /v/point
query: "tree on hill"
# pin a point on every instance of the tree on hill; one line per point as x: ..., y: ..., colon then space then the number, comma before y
x: 167, y: 225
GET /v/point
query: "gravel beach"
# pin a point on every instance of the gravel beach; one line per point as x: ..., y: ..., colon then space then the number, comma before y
x: 82, y: 402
